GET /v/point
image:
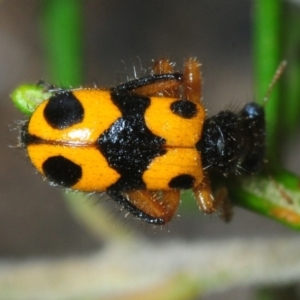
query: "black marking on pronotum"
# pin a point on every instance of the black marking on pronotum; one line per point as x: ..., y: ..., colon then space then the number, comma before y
x: 232, y: 143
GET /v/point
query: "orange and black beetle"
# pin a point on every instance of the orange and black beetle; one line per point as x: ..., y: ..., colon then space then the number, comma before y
x: 143, y: 141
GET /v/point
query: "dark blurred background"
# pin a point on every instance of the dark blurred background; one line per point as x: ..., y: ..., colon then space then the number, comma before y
x: 34, y: 220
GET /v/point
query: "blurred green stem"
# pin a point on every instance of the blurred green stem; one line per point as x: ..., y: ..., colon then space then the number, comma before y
x: 267, y: 40
x: 62, y: 29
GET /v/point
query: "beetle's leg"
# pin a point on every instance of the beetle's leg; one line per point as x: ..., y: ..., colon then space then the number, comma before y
x: 150, y: 85
x: 162, y: 82
x: 150, y: 207
x: 192, y: 80
x: 169, y: 88
x: 223, y: 203
x: 162, y: 66
x: 131, y: 208
x: 204, y: 197
x: 160, y: 205
x: 209, y: 203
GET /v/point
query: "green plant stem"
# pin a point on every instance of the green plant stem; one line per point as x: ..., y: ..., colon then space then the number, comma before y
x: 276, y: 196
x: 62, y: 25
x: 267, y: 56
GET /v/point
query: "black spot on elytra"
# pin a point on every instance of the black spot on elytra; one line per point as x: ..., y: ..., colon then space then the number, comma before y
x: 62, y: 171
x: 184, y: 108
x: 63, y: 110
x: 183, y: 181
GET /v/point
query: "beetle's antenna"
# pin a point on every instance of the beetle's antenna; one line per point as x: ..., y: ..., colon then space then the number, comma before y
x: 275, y: 78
